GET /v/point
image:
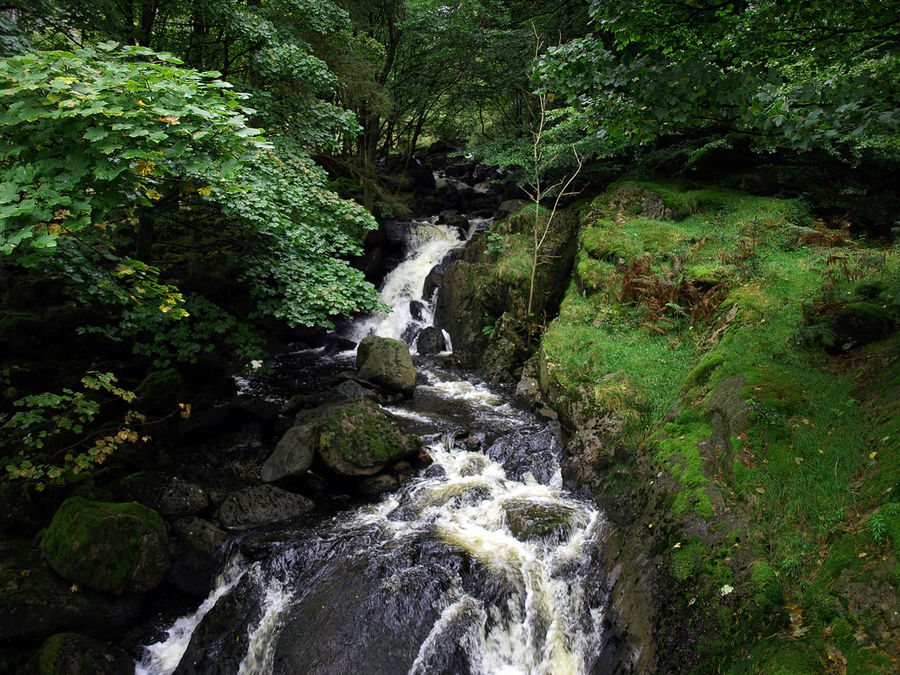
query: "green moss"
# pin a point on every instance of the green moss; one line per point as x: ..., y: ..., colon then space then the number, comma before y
x: 700, y: 375
x: 106, y: 546
x: 610, y: 242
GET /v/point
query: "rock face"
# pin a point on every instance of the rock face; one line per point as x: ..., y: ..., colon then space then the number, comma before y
x: 292, y: 456
x: 259, y: 505
x: 387, y: 363
x: 360, y: 439
x: 431, y: 341
x: 106, y: 546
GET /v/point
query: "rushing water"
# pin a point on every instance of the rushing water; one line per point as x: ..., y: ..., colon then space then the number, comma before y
x: 480, y: 564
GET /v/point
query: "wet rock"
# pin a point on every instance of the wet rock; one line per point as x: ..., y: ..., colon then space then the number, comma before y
x: 436, y: 276
x: 353, y: 390
x: 377, y: 485
x: 417, y: 310
x: 533, y: 520
x: 74, y: 654
x: 387, y: 363
x: 360, y: 439
x: 292, y: 456
x: 106, y: 546
x: 35, y: 602
x: 171, y: 496
x: 259, y: 505
x: 431, y: 341
x: 453, y: 219
x: 194, y: 567
x: 528, y: 392
x: 255, y: 407
x: 396, y: 232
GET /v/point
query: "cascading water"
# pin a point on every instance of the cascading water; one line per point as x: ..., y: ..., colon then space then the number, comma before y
x: 481, y: 564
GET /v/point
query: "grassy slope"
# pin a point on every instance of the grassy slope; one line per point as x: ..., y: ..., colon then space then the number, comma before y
x: 813, y: 478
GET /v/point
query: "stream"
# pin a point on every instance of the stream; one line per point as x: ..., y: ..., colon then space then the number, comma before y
x: 480, y: 563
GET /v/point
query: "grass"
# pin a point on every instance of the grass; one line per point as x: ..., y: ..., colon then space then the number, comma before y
x: 816, y: 471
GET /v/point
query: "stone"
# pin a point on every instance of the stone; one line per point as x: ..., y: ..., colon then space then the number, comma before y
x: 259, y: 505
x: 35, y: 602
x: 533, y: 520
x: 194, y: 568
x: 508, y: 208
x: 377, y: 485
x: 107, y: 546
x: 74, y: 654
x: 169, y: 495
x: 360, y: 439
x: 256, y: 407
x: 386, y: 363
x: 292, y: 457
x: 431, y: 341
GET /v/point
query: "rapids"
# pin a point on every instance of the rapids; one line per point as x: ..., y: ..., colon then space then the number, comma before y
x: 482, y: 563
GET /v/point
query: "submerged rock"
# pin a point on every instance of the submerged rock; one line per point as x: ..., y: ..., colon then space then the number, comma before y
x: 387, y: 363
x: 108, y: 547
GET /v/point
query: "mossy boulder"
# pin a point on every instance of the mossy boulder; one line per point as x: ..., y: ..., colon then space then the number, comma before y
x: 360, y: 439
x: 74, y: 654
x: 35, y: 602
x: 532, y: 520
x: 161, y: 391
x: 386, y: 363
x: 106, y: 546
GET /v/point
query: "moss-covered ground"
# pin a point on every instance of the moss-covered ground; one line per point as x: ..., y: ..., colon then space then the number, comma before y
x: 756, y: 294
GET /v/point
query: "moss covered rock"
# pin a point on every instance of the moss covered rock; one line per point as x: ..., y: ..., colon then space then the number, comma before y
x: 387, y: 363
x: 109, y: 547
x: 161, y: 391
x: 360, y: 439
x: 532, y: 520
x: 74, y: 654
x: 859, y: 323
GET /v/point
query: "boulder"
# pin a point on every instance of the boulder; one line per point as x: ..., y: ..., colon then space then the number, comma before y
x: 170, y: 495
x: 194, y: 568
x: 107, y: 546
x: 360, y: 439
x: 857, y: 324
x: 376, y: 485
x: 259, y: 505
x: 508, y: 208
x: 431, y: 341
x: 161, y: 391
x: 387, y: 363
x: 532, y: 520
x: 35, y: 602
x: 74, y: 654
x: 292, y: 456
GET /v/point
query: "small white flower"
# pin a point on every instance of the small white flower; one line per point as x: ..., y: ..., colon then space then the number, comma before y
x: 725, y: 590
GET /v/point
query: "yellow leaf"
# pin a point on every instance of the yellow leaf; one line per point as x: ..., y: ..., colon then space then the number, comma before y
x: 206, y: 190
x: 873, y: 455
x: 140, y: 102
x: 169, y: 119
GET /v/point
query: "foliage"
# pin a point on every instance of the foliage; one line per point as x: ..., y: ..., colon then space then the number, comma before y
x: 37, y: 440
x: 791, y: 74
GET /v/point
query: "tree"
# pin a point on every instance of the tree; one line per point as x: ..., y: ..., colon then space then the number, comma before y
x: 789, y: 74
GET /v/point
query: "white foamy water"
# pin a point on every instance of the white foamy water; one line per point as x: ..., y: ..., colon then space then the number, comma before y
x: 428, y: 245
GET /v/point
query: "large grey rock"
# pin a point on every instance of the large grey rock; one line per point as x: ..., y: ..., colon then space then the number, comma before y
x: 292, y: 456
x: 431, y: 341
x: 387, y: 363
x: 194, y: 567
x: 259, y: 505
